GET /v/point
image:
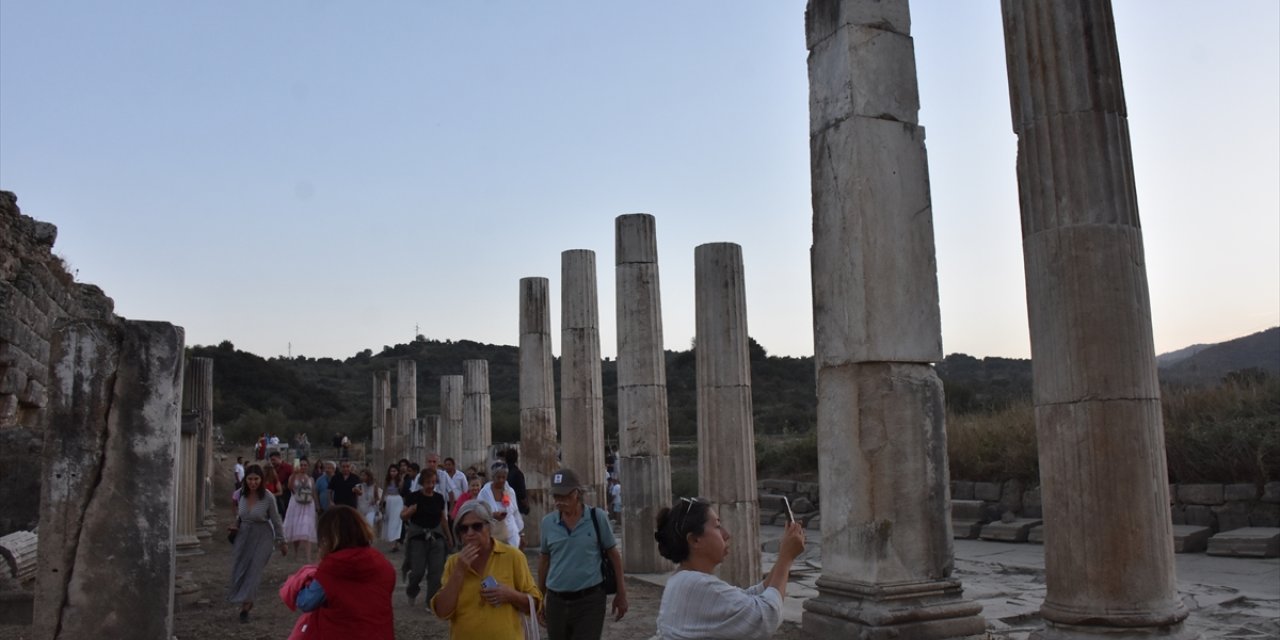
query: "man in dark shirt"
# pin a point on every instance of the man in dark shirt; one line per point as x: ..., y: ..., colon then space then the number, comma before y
x: 515, y: 478
x: 344, y: 486
x: 283, y: 471
x: 426, y: 540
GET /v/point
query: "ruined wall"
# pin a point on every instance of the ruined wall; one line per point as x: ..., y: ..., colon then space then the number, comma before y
x: 36, y: 292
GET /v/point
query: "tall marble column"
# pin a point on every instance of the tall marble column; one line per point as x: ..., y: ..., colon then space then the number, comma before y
x: 430, y: 440
x: 581, y: 388
x: 113, y: 429
x: 886, y: 550
x: 537, y: 401
x: 644, y: 462
x: 1109, y: 567
x: 381, y: 402
x: 451, y: 419
x: 726, y: 438
x: 407, y: 408
x: 200, y: 372
x: 190, y: 467
x: 477, y: 430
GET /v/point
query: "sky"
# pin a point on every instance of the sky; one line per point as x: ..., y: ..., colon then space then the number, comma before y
x: 317, y: 178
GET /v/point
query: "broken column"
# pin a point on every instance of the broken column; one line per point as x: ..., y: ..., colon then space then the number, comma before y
x: 726, y: 438
x: 406, y: 406
x: 106, y: 554
x: 451, y: 419
x: 887, y: 551
x: 644, y: 462
x: 381, y: 402
x: 581, y: 389
x: 187, y: 472
x: 537, y: 401
x: 429, y: 437
x: 200, y: 373
x: 477, y: 432
x: 1109, y: 565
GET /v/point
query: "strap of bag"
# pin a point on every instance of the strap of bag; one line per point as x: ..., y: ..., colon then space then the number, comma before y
x: 599, y: 542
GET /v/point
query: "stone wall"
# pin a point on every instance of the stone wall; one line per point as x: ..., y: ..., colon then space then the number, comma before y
x: 36, y: 292
x: 1220, y: 507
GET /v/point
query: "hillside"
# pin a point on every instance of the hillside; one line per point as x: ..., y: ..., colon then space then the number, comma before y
x: 1259, y: 351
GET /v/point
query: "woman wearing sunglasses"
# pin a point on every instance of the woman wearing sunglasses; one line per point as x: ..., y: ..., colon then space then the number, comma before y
x: 697, y: 604
x: 487, y: 585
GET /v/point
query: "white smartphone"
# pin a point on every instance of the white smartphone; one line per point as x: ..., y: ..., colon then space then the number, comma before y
x: 791, y: 517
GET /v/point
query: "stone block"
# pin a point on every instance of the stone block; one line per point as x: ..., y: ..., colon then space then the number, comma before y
x: 784, y: 487
x: 1178, y: 513
x: 962, y: 490
x: 966, y: 529
x: 1200, y: 516
x: 966, y: 510
x: 1240, y: 492
x: 874, y: 301
x: 803, y: 505
x: 1271, y: 492
x: 12, y: 381
x: 1254, y: 542
x: 823, y: 19
x: 1011, y: 496
x: 1205, y: 494
x: 1015, y: 531
x: 1265, y: 515
x: 34, y: 394
x: 1190, y: 538
x: 862, y: 72
x: 986, y: 491
x: 1036, y: 534
x: 809, y: 490
x: 1234, y: 515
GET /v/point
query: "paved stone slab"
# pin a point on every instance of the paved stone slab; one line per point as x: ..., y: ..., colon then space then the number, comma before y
x: 1012, y: 531
x: 1036, y: 534
x: 1255, y: 542
x: 965, y: 529
x: 1188, y: 538
x: 966, y: 509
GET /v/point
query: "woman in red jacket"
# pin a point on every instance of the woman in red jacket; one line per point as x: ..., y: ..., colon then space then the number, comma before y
x: 351, y: 594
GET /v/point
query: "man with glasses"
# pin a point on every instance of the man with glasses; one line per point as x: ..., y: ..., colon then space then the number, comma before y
x: 569, y: 567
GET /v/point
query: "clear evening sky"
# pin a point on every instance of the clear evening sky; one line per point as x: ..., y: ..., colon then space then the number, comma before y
x: 333, y: 174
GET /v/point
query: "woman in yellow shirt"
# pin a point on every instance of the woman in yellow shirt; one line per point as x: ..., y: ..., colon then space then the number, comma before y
x: 476, y: 611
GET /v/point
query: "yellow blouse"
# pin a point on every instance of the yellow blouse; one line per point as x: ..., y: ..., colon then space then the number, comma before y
x: 473, y: 618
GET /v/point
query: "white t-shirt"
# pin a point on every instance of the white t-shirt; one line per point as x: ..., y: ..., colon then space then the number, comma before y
x: 239, y: 472
x: 615, y: 497
x: 700, y: 605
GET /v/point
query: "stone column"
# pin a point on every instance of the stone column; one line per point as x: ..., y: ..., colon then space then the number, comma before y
x: 451, y: 419
x: 1109, y: 566
x: 106, y: 554
x: 392, y: 418
x: 581, y: 389
x: 200, y: 373
x: 726, y: 439
x: 644, y: 462
x: 381, y: 402
x: 428, y: 437
x: 537, y: 401
x: 477, y: 431
x: 886, y: 550
x: 188, y: 473
x: 407, y: 405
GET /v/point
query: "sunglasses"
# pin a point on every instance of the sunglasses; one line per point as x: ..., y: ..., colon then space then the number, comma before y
x: 688, y: 506
x: 474, y: 527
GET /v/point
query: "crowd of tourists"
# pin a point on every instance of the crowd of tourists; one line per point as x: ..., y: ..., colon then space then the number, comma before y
x: 460, y: 537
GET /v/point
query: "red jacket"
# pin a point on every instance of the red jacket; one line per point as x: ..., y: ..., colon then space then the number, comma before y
x: 357, y: 592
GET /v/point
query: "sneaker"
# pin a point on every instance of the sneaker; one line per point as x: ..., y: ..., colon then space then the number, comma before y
x: 244, y: 616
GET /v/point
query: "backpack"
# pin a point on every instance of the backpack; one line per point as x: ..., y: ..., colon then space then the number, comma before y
x: 304, y: 493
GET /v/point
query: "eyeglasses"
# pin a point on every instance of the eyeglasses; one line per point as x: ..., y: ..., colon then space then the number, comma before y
x: 474, y: 527
x: 688, y: 506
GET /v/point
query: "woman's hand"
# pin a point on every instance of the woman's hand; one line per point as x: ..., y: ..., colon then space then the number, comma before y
x: 501, y: 594
x: 284, y: 548
x: 792, y: 544
x: 468, y: 555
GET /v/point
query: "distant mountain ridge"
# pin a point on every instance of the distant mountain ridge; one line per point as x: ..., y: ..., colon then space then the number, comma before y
x: 1260, y: 351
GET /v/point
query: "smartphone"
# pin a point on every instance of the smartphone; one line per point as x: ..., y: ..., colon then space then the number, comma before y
x: 791, y: 517
x: 488, y: 583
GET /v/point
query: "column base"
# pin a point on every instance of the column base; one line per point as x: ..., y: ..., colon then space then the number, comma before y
x: 1055, y: 631
x: 917, y: 611
x: 187, y: 545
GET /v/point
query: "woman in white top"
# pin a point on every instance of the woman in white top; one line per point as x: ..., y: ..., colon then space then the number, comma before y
x: 501, y: 498
x: 392, y: 505
x: 695, y: 603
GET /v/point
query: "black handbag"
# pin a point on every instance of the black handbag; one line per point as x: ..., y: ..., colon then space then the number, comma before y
x: 610, y: 582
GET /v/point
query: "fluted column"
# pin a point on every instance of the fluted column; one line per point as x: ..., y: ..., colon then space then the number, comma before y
x: 107, y: 515
x: 1109, y: 566
x: 429, y: 441
x: 726, y: 439
x: 581, y: 389
x: 537, y: 401
x: 886, y: 551
x: 451, y: 419
x: 644, y: 463
x: 381, y: 402
x: 201, y: 389
x: 407, y: 408
x: 477, y: 430
x: 185, y: 541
